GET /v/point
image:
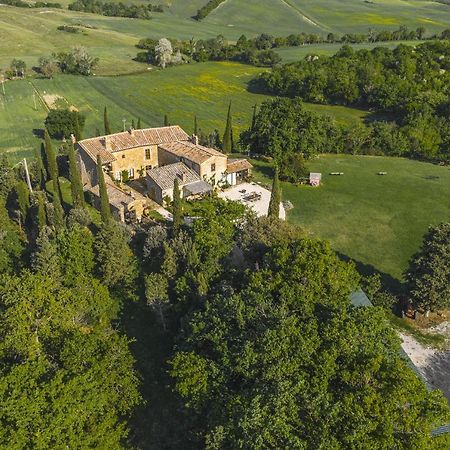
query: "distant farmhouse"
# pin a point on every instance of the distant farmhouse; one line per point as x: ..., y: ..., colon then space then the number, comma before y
x: 158, y: 156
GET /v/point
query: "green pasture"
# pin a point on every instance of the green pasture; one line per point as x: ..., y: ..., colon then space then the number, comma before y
x: 31, y: 33
x: 378, y: 221
x: 180, y: 92
x: 349, y: 16
x: 292, y: 54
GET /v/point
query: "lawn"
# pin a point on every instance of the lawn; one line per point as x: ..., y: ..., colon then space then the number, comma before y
x: 182, y: 92
x: 378, y: 221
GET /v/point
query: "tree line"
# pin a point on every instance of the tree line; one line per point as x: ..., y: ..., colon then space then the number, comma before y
x: 204, y: 11
x: 408, y: 86
x: 113, y: 9
x: 38, y: 4
x: 215, y: 49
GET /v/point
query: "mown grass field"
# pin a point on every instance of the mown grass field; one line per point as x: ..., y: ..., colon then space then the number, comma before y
x: 378, y: 221
x: 182, y: 92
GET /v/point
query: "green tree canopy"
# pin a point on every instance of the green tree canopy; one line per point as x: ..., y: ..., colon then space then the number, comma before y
x: 62, y: 123
x: 284, y: 361
x: 429, y: 271
x: 66, y: 377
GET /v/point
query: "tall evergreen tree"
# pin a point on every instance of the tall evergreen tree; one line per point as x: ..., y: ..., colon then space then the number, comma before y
x: 7, y: 176
x: 77, y: 130
x: 105, y: 211
x: 50, y: 158
x: 45, y: 259
x: 166, y: 120
x: 58, y: 209
x: 40, y: 173
x: 228, y: 135
x: 177, y: 212
x: 40, y: 217
x: 115, y: 260
x: 139, y: 126
x: 195, y: 126
x: 106, y: 121
x: 22, y: 195
x: 275, y: 197
x: 133, y: 126
x: 75, y: 179
x: 254, y: 117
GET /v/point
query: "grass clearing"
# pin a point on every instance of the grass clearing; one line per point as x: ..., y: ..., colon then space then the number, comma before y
x: 378, y: 221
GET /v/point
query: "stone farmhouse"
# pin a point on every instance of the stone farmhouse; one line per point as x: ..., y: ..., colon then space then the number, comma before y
x: 158, y: 156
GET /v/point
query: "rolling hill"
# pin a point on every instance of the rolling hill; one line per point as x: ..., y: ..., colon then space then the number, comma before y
x: 31, y: 33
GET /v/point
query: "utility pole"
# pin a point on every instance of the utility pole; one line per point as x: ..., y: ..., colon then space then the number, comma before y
x: 124, y: 124
x: 34, y: 100
x: 27, y: 175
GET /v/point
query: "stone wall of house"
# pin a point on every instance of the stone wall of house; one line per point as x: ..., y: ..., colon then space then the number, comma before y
x: 134, y: 161
x: 88, y: 168
x: 213, y: 170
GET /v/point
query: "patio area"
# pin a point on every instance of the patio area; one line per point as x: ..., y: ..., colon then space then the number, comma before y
x: 253, y: 196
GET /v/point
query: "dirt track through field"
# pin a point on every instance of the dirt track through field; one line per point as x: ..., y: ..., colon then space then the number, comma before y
x: 304, y: 16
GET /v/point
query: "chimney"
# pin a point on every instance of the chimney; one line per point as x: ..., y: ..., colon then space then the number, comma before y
x: 131, y: 131
x: 106, y: 142
x: 74, y: 140
x: 194, y: 139
x: 182, y: 176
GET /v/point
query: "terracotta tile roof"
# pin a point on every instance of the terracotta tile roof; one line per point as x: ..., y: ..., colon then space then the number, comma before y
x: 106, y: 146
x: 237, y: 165
x: 192, y: 152
x: 117, y: 196
x: 164, y: 176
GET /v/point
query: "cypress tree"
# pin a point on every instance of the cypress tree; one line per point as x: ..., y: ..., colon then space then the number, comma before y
x: 50, y: 158
x: 228, y: 135
x: 195, y: 126
x: 77, y: 128
x: 58, y: 209
x: 40, y: 169
x: 75, y: 179
x: 139, y: 123
x: 41, y: 217
x: 133, y: 126
x: 176, y: 213
x: 106, y: 121
x: 45, y: 259
x: 23, y: 199
x: 166, y: 120
x: 254, y: 117
x: 275, y: 198
x: 104, y: 200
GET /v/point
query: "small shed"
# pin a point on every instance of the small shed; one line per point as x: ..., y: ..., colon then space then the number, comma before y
x: 315, y: 178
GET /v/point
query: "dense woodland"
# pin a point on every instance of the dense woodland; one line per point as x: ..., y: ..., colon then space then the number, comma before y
x: 407, y: 89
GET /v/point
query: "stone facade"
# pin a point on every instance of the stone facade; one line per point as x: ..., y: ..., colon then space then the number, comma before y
x: 135, y: 161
